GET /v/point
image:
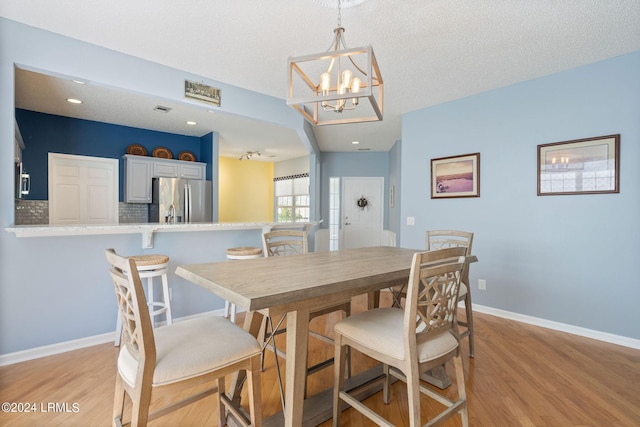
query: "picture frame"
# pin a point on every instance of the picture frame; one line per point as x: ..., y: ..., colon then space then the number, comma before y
x: 202, y: 92
x: 580, y: 166
x: 455, y: 176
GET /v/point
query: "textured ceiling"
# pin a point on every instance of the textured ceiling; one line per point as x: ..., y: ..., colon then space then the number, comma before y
x: 429, y: 51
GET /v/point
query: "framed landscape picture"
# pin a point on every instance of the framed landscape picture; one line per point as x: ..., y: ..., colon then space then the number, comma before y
x: 457, y: 176
x: 581, y: 166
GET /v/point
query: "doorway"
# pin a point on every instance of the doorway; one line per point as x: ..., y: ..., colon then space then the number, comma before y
x: 362, y: 211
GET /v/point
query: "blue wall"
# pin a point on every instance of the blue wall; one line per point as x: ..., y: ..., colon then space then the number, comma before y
x: 569, y: 259
x: 44, y: 133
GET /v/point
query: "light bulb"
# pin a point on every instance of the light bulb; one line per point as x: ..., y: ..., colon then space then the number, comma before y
x: 355, y: 85
x: 325, y: 83
x: 346, y: 78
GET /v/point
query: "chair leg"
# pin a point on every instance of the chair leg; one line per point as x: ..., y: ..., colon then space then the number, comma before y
x: 151, y: 300
x: 140, y: 412
x: 254, y: 379
x: 462, y: 391
x: 387, y: 385
x: 347, y: 313
x: 338, y: 378
x: 413, y: 394
x: 222, y: 412
x: 118, y: 401
x: 469, y: 313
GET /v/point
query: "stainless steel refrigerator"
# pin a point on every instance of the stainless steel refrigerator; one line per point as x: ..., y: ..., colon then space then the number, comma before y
x: 176, y: 200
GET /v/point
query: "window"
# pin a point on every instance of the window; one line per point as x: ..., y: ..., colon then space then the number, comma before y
x: 292, y: 198
x: 334, y: 213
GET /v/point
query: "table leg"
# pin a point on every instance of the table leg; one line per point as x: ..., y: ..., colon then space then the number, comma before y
x: 297, y: 343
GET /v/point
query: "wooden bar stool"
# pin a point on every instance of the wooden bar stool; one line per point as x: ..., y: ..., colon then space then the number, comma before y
x: 149, y: 267
x: 242, y: 252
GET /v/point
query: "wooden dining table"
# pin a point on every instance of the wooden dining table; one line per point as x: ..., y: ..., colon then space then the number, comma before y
x: 297, y: 285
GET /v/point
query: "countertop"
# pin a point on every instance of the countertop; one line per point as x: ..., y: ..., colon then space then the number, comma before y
x: 148, y: 229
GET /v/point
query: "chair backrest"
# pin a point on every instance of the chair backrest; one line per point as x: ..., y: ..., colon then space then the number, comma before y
x: 441, y: 239
x: 284, y: 242
x: 432, y: 294
x: 137, y: 331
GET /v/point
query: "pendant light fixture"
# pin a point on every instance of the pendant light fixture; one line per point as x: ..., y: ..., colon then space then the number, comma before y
x: 338, y: 86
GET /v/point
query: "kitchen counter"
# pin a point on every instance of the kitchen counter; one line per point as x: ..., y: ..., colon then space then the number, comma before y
x: 147, y: 230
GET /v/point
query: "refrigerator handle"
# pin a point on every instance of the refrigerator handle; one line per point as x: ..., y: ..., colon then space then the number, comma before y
x: 187, y: 201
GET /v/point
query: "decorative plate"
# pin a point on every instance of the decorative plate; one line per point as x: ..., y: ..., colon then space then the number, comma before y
x: 187, y: 156
x: 137, y: 149
x: 162, y: 153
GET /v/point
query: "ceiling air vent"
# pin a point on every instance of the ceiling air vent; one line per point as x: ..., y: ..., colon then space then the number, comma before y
x: 162, y: 109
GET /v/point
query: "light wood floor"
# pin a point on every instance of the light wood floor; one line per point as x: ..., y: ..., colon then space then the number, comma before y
x: 521, y: 376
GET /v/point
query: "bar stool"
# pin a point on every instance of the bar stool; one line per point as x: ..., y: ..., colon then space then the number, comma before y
x: 150, y: 266
x: 242, y: 252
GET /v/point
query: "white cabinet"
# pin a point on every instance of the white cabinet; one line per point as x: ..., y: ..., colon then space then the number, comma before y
x: 139, y: 171
x: 178, y: 169
x: 191, y: 170
x: 165, y: 169
x: 82, y: 190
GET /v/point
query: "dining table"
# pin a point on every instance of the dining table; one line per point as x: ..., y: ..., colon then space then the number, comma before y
x: 298, y: 285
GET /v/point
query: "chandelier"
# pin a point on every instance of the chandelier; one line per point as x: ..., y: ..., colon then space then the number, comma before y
x: 339, y: 86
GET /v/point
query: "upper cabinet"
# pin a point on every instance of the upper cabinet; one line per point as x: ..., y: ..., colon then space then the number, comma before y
x: 139, y: 171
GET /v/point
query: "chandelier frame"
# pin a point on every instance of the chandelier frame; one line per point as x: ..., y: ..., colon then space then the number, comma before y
x: 307, y: 97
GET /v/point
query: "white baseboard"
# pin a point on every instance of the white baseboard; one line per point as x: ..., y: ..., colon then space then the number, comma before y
x: 50, y: 350
x: 563, y: 327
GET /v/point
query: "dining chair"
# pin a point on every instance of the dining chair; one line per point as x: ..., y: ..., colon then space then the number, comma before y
x: 409, y: 340
x: 286, y: 243
x: 440, y: 239
x: 172, y: 359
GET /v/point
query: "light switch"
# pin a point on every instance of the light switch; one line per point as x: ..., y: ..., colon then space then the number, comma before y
x: 411, y: 220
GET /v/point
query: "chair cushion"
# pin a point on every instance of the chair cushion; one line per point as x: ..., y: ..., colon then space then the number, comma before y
x: 192, y: 347
x: 463, y: 290
x: 381, y: 330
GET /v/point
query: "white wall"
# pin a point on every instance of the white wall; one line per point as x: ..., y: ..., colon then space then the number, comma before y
x: 291, y: 167
x: 569, y: 259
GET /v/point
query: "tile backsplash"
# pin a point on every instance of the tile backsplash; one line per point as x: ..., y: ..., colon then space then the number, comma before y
x: 31, y: 212
x: 36, y: 212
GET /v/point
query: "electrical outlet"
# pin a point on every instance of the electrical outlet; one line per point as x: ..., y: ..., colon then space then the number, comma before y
x: 411, y: 220
x: 482, y: 284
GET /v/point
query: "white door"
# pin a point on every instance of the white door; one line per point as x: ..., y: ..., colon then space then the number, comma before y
x: 363, y: 211
x: 82, y: 190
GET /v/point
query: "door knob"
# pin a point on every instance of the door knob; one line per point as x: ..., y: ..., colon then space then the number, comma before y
x: 347, y: 223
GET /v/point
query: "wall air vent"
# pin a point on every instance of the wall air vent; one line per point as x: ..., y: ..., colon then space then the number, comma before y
x: 162, y: 109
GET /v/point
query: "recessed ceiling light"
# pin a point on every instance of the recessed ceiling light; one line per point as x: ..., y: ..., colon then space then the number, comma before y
x: 191, y: 123
x: 80, y: 82
x: 355, y: 142
x: 74, y: 101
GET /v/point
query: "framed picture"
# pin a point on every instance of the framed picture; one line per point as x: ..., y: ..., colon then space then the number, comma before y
x: 581, y: 166
x: 202, y: 92
x: 457, y: 176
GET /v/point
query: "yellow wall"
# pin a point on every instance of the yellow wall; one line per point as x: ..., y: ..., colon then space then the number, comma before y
x: 245, y: 191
